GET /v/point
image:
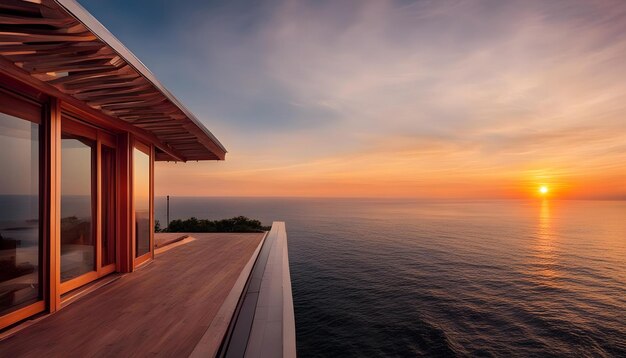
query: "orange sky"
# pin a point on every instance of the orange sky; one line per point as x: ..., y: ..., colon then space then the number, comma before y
x: 446, y: 99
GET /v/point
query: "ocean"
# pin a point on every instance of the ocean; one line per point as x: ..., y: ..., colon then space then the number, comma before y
x: 406, y: 278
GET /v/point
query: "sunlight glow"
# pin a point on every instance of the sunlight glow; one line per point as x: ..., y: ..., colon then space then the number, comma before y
x: 543, y: 189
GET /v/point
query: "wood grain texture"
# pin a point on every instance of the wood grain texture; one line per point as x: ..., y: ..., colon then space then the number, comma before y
x: 61, y: 45
x: 162, y: 309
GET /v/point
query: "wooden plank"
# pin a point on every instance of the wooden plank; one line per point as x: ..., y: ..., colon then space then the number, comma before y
x: 54, y: 277
x: 24, y: 20
x: 124, y: 183
x: 130, y: 87
x: 9, y: 36
x: 20, y: 5
x: 101, y: 84
x: 120, y: 74
x: 162, y: 309
x: 72, y: 67
x: 151, y: 120
x: 47, y: 50
x: 114, y: 101
x: 54, y: 59
x: 211, y: 341
x: 58, y: 42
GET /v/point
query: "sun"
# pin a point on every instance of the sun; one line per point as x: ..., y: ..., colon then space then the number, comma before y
x: 543, y: 190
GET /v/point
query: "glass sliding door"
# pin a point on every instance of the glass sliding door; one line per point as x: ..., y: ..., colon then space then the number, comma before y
x: 141, y: 201
x: 88, y: 203
x: 20, y: 216
x: 78, y: 244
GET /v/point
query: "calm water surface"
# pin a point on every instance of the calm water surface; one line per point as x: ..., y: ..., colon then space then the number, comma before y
x: 417, y: 278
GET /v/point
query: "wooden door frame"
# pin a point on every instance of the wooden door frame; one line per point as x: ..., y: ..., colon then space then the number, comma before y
x: 28, y: 105
x: 49, y: 107
x: 109, y: 140
x: 149, y: 151
x: 75, y: 125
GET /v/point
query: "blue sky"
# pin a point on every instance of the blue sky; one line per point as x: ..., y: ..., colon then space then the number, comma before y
x: 391, y: 98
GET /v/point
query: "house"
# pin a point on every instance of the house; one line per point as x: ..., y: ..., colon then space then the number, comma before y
x: 82, y: 122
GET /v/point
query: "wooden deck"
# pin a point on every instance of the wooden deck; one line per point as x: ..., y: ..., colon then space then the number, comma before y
x: 162, y: 309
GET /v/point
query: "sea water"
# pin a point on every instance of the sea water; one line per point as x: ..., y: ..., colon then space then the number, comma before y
x: 381, y: 277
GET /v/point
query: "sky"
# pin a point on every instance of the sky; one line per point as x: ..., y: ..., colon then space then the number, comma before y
x: 420, y: 99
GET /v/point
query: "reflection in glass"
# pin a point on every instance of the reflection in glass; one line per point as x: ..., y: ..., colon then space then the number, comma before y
x: 77, y: 237
x: 108, y: 205
x: 141, y: 197
x: 20, y: 242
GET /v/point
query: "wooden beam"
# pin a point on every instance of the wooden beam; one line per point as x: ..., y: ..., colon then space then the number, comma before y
x: 120, y: 74
x: 55, y: 59
x: 54, y: 276
x: 124, y: 227
x: 128, y: 88
x: 20, y: 5
x: 7, y: 19
x: 115, y: 98
x: 7, y: 36
x: 56, y: 49
x: 10, y: 70
x: 100, y: 84
x: 72, y: 67
x: 57, y: 42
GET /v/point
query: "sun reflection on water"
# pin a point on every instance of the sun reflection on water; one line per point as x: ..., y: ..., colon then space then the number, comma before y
x: 544, y: 252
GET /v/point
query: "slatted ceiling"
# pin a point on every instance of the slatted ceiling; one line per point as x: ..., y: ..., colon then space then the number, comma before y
x: 59, y: 43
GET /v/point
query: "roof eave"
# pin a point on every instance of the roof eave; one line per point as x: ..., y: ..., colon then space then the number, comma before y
x: 93, y: 25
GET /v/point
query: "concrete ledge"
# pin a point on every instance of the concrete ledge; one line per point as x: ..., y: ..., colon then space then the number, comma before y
x: 264, y: 324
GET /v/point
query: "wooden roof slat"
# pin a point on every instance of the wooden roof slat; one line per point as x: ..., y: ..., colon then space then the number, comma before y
x: 143, y: 110
x: 53, y: 58
x: 23, y: 20
x: 27, y: 37
x: 71, y: 67
x: 20, y: 5
x: 115, y: 98
x: 91, y: 84
x: 115, y: 89
x: 113, y: 75
x: 181, y: 134
x: 40, y: 59
x: 137, y: 118
x: 57, y: 42
x: 44, y: 49
x: 165, y: 124
x: 153, y: 120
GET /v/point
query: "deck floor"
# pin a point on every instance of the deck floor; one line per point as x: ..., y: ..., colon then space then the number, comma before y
x: 162, y: 309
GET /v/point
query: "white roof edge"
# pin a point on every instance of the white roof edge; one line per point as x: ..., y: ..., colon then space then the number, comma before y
x: 91, y: 23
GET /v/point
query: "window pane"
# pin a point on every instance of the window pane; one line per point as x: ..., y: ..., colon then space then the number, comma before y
x: 141, y: 196
x: 77, y: 237
x: 108, y: 205
x: 20, y: 241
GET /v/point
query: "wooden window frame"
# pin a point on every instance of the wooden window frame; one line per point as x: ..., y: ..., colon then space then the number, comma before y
x: 49, y: 107
x: 25, y: 105
x: 74, y: 125
x: 110, y: 141
x: 148, y: 150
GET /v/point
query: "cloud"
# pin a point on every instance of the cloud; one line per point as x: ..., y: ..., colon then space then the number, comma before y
x: 436, y: 90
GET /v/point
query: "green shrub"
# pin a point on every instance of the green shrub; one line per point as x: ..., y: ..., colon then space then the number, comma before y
x: 236, y: 224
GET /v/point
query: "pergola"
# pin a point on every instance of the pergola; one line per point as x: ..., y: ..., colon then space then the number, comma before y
x: 60, y: 45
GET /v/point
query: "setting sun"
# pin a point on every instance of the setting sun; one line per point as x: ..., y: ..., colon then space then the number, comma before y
x: 543, y: 189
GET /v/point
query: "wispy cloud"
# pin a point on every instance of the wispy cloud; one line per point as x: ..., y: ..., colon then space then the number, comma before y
x: 324, y: 94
